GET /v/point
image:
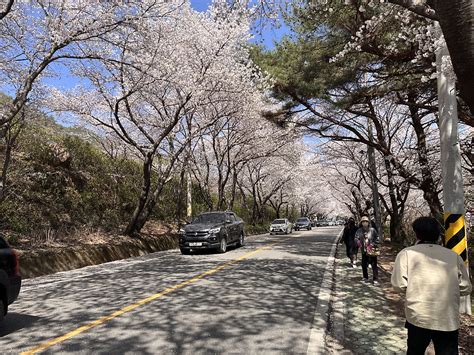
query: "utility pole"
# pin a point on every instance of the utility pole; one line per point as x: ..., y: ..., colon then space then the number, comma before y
x: 189, y: 195
x: 189, y: 182
x: 373, y: 176
x: 453, y: 191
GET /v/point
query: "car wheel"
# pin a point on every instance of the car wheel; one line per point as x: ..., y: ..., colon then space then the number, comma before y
x: 271, y: 233
x: 185, y: 251
x: 241, y: 240
x: 223, y: 245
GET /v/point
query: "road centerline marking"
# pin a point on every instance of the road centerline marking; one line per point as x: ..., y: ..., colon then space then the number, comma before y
x: 133, y: 306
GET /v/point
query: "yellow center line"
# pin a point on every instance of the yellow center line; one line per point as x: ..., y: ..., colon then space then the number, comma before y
x: 142, y: 302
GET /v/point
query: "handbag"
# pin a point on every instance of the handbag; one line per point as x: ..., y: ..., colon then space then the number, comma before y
x: 372, y: 250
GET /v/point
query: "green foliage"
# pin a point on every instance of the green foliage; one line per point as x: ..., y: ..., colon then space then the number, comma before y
x: 60, y: 182
x: 300, y: 64
x: 257, y: 229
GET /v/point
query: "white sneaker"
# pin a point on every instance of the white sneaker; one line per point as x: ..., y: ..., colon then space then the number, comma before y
x: 354, y: 265
x: 364, y: 280
x: 376, y: 282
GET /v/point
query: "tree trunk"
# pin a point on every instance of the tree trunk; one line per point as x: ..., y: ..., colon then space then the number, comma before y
x: 396, y: 234
x: 456, y: 18
x: 10, y: 136
x: 149, y: 207
x: 180, y: 195
x: 254, y: 206
x: 133, y: 226
x: 234, y: 189
x: 220, y: 192
x: 428, y: 184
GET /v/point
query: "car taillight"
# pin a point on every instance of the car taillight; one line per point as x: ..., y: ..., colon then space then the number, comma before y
x: 16, y: 260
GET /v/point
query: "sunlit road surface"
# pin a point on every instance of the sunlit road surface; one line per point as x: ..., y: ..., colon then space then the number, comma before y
x: 259, y: 299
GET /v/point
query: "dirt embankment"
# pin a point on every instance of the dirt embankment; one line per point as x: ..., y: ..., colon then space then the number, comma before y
x: 84, y: 249
x: 47, y: 261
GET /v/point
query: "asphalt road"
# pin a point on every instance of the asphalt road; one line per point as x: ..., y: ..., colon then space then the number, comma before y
x: 258, y: 299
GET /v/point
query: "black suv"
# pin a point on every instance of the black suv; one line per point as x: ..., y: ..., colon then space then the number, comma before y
x: 10, y: 279
x: 303, y: 223
x: 212, y: 230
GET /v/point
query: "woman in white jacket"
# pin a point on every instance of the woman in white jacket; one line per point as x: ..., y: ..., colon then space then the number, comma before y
x: 433, y: 278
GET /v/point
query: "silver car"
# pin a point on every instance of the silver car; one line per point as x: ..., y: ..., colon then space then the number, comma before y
x: 281, y: 225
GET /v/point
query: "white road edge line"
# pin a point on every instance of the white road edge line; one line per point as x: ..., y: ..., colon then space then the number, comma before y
x: 316, y: 345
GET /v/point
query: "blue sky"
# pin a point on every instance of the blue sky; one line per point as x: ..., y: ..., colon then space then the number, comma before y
x: 268, y: 36
x: 200, y: 5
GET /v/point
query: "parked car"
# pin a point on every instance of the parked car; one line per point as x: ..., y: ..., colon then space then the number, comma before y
x: 10, y: 279
x: 212, y: 230
x: 303, y: 223
x: 281, y: 226
x: 323, y: 223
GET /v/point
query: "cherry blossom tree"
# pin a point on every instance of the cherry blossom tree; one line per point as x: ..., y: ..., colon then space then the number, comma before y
x: 38, y: 37
x: 224, y: 156
x: 6, y: 8
x: 187, y: 73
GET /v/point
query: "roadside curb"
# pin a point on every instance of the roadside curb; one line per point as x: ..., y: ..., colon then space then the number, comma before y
x: 320, y: 326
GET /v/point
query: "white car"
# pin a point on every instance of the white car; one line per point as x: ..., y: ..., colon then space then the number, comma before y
x: 281, y: 225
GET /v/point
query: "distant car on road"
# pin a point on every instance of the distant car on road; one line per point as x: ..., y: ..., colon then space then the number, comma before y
x: 323, y: 223
x: 281, y: 226
x: 212, y: 230
x: 10, y: 279
x: 303, y: 223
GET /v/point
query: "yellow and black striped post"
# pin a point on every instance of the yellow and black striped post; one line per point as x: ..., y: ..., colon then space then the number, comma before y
x: 455, y: 234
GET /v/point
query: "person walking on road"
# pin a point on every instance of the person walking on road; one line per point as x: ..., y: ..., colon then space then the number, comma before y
x: 433, y: 278
x: 367, y: 239
x: 348, y: 238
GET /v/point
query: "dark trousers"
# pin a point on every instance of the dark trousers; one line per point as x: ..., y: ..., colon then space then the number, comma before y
x: 445, y: 343
x: 350, y: 250
x: 365, y: 262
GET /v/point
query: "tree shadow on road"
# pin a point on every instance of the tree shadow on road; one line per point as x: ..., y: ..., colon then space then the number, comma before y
x: 262, y: 304
x: 16, y: 321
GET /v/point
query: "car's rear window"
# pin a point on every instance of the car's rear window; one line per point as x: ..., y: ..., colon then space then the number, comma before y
x: 279, y: 221
x: 210, y: 218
